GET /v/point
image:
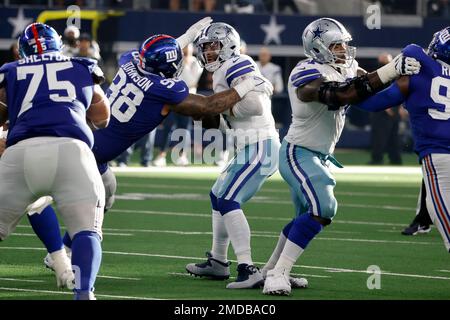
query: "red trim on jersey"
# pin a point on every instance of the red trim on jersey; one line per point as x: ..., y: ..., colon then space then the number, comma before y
x: 36, y: 38
x: 434, y: 192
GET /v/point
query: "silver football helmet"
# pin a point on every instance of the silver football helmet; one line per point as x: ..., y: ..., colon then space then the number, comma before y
x: 321, y: 36
x: 227, y: 40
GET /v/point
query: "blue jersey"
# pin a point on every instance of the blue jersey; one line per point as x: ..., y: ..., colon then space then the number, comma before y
x: 48, y: 95
x: 137, y: 100
x: 428, y: 103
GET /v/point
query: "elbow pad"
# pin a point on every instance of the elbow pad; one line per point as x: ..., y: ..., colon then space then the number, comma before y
x: 328, y: 91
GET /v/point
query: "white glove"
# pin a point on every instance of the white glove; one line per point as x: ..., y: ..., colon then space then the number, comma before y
x: 254, y: 83
x: 191, y: 33
x: 399, y: 66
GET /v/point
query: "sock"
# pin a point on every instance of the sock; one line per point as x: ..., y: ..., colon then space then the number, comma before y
x: 67, y: 241
x: 221, y: 240
x: 291, y: 252
x: 279, y: 247
x: 46, y: 227
x: 86, y: 259
x: 302, y: 231
x: 239, y: 233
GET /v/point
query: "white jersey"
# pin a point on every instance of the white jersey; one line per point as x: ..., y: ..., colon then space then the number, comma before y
x: 191, y: 73
x: 248, y: 130
x: 273, y: 73
x: 313, y: 125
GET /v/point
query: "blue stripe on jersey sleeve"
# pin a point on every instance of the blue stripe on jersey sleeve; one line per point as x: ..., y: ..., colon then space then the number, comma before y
x: 237, y: 66
x: 303, y: 73
x: 239, y: 73
x: 305, y: 79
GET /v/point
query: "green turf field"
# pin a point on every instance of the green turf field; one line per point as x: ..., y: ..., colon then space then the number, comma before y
x: 161, y: 222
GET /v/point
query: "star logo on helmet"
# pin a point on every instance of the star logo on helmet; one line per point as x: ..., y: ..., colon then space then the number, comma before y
x: 318, y: 33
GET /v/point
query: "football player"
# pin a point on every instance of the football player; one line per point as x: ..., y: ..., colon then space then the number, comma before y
x: 47, y: 97
x: 257, y: 143
x: 320, y: 88
x: 426, y: 97
x: 143, y: 92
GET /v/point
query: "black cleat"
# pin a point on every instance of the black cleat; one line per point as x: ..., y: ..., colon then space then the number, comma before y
x: 416, y: 228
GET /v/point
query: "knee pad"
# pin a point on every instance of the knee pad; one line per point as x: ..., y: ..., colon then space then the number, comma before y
x: 213, y: 201
x: 225, y: 206
x: 110, y: 184
x: 287, y: 228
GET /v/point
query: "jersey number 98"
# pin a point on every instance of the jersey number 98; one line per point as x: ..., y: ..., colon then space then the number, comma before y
x: 120, y: 96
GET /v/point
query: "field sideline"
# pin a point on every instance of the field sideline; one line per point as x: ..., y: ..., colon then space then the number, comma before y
x: 161, y: 221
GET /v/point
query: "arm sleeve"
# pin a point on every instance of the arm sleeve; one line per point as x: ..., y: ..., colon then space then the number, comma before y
x: 391, y: 96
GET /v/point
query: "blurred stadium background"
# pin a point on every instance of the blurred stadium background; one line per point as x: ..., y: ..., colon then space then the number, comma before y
x: 117, y: 26
x: 150, y: 239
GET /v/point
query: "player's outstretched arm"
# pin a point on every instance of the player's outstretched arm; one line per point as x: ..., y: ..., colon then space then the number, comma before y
x: 98, y: 113
x: 3, y: 107
x: 337, y: 94
x: 197, y: 105
x: 193, y: 31
x: 391, y: 96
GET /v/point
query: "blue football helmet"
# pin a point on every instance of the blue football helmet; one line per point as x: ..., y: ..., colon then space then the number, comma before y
x: 39, y: 38
x: 439, y: 47
x: 161, y: 54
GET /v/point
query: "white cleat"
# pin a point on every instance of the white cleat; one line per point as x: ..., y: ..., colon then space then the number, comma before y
x: 296, y: 283
x: 60, y: 263
x: 277, y: 283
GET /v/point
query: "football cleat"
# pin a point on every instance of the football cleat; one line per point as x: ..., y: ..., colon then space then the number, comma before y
x: 415, y: 229
x: 63, y: 271
x: 296, y: 283
x: 249, y: 277
x: 211, y: 268
x: 277, y: 283
x: 84, y: 296
x: 62, y: 267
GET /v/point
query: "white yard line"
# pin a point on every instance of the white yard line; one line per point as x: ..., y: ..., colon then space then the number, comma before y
x: 403, y: 170
x: 231, y: 277
x: 119, y: 278
x: 21, y: 280
x: 203, y: 197
x: 328, y: 269
x: 266, y: 190
x: 70, y: 293
x: 208, y: 216
x: 104, y: 233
